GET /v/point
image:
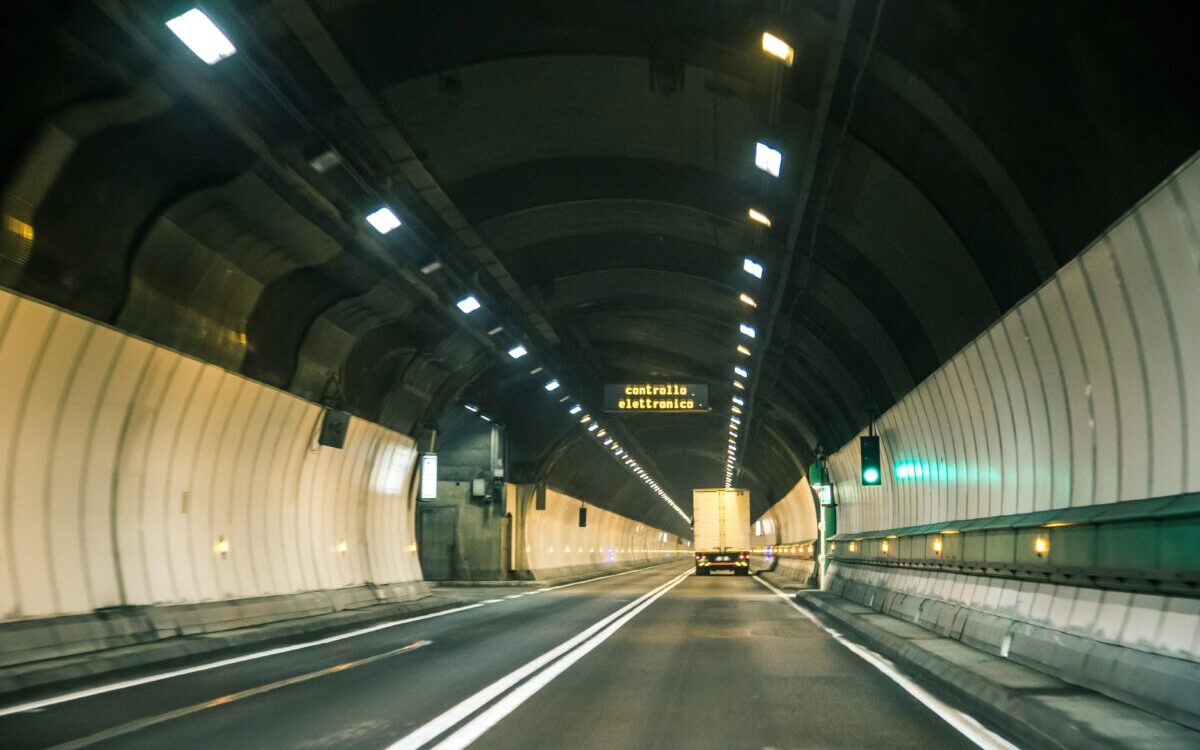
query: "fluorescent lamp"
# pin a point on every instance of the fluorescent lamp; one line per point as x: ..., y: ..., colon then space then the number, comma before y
x: 608, y: 441
x: 747, y: 330
x: 564, y: 399
x: 746, y: 299
x: 752, y: 267
x: 517, y: 352
x: 202, y: 36
x: 735, y: 410
x: 735, y: 420
x: 739, y: 385
x: 741, y: 371
x: 743, y: 350
x: 576, y: 409
x: 767, y: 159
x: 602, y: 433
x: 593, y: 427
x: 495, y: 330
x: 471, y: 407
x: 585, y: 419
x: 738, y: 401
x: 760, y: 217
x: 383, y: 219
x: 551, y: 386
x: 429, y: 268
x: 325, y: 161
x: 536, y: 370
x: 486, y: 418
x: 777, y: 48
x: 468, y: 304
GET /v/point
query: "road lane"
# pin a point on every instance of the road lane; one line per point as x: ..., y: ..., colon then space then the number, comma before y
x: 369, y: 706
x: 653, y: 659
x: 721, y: 662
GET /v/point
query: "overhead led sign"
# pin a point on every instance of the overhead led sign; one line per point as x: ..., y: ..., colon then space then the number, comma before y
x: 656, y: 397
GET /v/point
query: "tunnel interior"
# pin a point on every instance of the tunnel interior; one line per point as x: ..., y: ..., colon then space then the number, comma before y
x: 586, y: 172
x: 330, y: 314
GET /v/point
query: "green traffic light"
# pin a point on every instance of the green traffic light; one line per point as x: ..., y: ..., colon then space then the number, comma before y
x: 870, y: 475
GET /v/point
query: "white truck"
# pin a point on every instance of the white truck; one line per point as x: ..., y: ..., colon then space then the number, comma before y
x: 721, y: 529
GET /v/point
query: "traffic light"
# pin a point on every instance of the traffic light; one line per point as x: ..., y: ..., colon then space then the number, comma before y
x: 868, y: 448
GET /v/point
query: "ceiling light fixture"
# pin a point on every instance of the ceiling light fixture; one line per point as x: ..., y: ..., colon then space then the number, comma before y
x: 383, y: 219
x: 552, y: 385
x: 468, y: 304
x: 767, y: 159
x: 202, y: 37
x: 760, y: 217
x: 518, y: 351
x: 777, y: 48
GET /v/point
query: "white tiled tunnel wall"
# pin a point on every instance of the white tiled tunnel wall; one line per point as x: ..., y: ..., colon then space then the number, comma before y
x: 1086, y: 392
x: 554, y: 539
x: 122, y: 463
x: 792, y: 519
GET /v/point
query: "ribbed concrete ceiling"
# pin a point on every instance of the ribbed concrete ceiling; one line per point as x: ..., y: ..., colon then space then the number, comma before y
x: 586, y: 168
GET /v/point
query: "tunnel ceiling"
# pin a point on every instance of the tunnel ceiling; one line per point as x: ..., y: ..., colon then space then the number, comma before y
x: 586, y: 169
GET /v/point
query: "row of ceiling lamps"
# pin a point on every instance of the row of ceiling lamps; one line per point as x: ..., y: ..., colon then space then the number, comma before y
x: 594, y: 428
x: 769, y: 160
x: 196, y: 30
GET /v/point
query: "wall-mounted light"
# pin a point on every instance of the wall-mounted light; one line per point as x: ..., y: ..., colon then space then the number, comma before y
x: 221, y: 547
x: 743, y: 351
x: 1041, y: 545
x: 853, y: 546
x: 752, y: 267
x: 884, y: 546
x: 747, y: 330
x: 342, y: 547
x: 937, y: 546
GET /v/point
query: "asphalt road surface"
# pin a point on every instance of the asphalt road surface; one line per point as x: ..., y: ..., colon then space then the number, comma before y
x: 656, y: 658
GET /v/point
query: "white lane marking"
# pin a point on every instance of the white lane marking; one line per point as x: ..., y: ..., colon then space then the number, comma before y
x: 514, y: 596
x: 179, y: 713
x: 444, y: 721
x: 475, y: 728
x: 124, y: 684
x: 966, y: 724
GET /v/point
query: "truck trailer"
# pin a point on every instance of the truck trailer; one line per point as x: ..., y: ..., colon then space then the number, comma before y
x: 722, y: 530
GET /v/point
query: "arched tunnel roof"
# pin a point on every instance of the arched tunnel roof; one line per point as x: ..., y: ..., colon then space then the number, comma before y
x: 586, y: 170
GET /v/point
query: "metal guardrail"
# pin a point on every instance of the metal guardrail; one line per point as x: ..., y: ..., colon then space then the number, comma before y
x: 1140, y: 545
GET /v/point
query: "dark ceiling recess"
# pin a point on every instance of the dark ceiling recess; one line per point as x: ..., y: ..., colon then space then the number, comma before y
x: 586, y: 168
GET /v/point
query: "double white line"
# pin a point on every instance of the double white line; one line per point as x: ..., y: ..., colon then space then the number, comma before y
x: 566, y: 654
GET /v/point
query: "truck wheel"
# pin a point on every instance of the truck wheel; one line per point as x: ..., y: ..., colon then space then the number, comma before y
x: 701, y: 571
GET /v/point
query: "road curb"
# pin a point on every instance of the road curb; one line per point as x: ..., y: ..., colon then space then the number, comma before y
x: 32, y: 680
